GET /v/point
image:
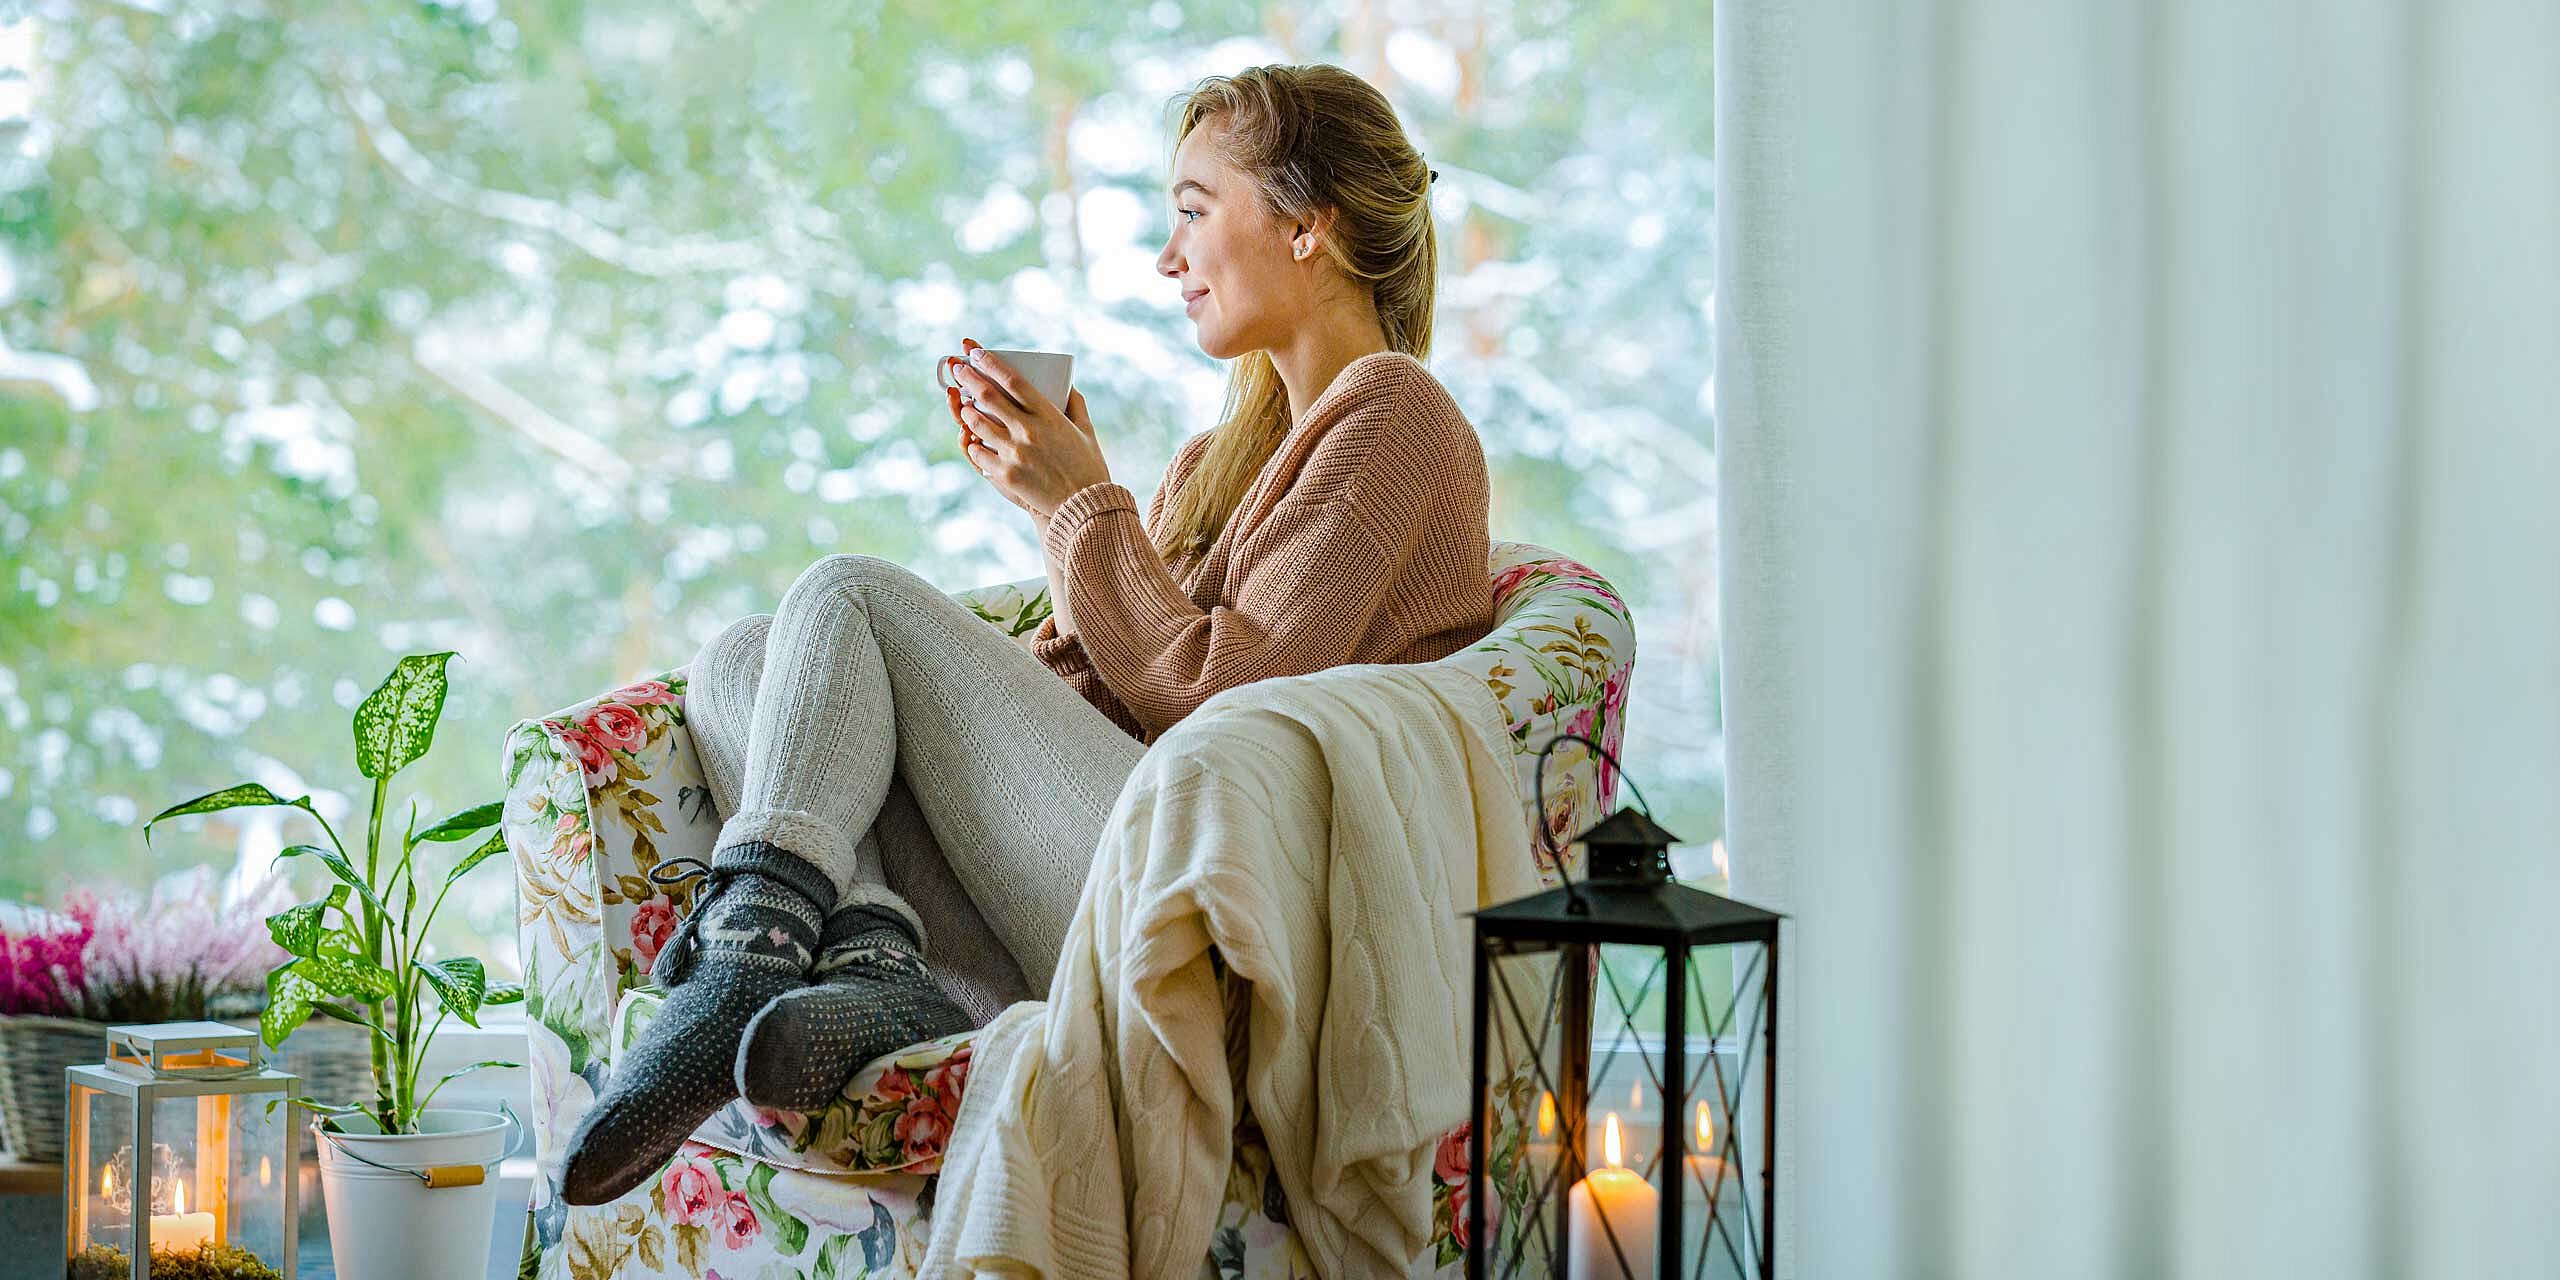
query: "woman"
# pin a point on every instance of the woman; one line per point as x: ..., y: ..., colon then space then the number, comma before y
x: 891, y: 770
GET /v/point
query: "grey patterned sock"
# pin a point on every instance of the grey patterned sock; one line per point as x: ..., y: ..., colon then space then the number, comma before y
x: 871, y: 995
x: 750, y: 938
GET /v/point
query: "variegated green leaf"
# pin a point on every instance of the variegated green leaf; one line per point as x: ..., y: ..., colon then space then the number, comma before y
x: 397, y: 722
x: 341, y: 868
x: 289, y: 999
x: 463, y: 825
x: 238, y: 796
x: 459, y: 982
x: 489, y: 848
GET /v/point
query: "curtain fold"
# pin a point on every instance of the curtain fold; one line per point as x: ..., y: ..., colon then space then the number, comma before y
x: 2140, y: 440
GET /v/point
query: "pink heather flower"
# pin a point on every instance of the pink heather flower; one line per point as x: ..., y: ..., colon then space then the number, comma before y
x: 127, y: 958
x: 646, y: 693
x: 1449, y: 1163
x: 651, y: 925
x: 41, y: 971
x: 619, y: 726
x: 738, y: 1225
x: 692, y: 1189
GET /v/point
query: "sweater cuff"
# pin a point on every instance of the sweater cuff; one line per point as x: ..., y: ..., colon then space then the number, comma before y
x: 1072, y: 514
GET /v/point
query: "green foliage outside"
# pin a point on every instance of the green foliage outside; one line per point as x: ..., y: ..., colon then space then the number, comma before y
x: 559, y: 334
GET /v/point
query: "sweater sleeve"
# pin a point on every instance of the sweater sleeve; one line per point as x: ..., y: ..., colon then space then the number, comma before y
x: 1064, y: 654
x: 1314, y: 576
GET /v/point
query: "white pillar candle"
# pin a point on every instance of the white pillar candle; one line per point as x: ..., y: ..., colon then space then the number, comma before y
x: 179, y: 1232
x: 1627, y: 1205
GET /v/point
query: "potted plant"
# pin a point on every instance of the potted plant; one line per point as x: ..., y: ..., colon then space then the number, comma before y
x: 413, y: 1175
x: 67, y: 974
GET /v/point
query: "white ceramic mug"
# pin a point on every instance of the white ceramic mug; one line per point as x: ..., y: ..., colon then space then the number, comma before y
x: 1050, y: 372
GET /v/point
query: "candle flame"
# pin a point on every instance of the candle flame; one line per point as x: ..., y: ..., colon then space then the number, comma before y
x: 1706, y: 1129
x: 107, y: 1183
x: 1546, y: 1113
x: 1609, y: 1140
x: 178, y: 1198
x: 266, y: 1170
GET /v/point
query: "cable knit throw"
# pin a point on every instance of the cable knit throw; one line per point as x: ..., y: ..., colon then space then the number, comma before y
x: 1324, y: 832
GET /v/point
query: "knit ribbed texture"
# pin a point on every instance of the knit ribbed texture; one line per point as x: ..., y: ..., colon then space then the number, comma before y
x: 751, y: 938
x: 1322, y: 835
x: 1363, y: 539
x: 871, y: 995
x: 874, y: 704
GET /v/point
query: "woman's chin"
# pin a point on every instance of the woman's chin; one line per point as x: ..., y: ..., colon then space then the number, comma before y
x: 1216, y: 345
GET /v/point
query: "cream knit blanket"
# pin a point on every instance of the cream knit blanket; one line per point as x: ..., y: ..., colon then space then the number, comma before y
x: 1324, y: 833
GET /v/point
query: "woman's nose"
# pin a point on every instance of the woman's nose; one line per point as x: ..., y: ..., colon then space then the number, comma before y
x: 1169, y: 262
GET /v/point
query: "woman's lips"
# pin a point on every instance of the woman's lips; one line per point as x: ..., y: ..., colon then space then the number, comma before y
x: 1191, y: 305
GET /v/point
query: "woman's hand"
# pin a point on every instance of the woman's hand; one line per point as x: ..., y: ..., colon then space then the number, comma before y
x: 1034, y: 454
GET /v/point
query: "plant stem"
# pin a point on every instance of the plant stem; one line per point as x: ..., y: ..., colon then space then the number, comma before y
x: 418, y: 1067
x: 385, y: 1083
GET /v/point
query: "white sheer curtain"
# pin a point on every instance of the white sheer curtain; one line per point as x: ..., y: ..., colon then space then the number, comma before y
x: 2140, y: 433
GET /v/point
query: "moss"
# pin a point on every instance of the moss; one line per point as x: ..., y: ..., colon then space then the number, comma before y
x: 207, y: 1261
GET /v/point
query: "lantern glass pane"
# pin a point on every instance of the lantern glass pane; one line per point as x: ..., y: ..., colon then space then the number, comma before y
x: 1565, y: 1067
x: 100, y: 1156
x: 211, y: 1175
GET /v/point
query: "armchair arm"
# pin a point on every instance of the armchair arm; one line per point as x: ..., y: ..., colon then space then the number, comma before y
x: 1015, y: 608
x: 597, y: 795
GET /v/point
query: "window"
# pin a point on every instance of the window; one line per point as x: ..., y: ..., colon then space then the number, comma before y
x: 560, y: 335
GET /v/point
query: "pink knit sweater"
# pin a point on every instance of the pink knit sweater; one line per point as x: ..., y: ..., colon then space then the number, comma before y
x: 1363, y: 539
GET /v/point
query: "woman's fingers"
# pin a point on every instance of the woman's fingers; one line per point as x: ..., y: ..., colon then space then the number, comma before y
x: 983, y: 396
x: 994, y: 370
x: 993, y: 432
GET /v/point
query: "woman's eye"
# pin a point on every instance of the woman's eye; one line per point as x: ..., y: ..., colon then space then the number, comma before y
x: 1193, y: 213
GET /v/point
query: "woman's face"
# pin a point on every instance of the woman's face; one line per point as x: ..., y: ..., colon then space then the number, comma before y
x: 1241, y: 286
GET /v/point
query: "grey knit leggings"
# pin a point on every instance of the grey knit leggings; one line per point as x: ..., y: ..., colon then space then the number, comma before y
x: 878, y: 728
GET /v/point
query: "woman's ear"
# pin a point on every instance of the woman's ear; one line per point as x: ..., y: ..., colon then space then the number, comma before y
x: 1302, y: 237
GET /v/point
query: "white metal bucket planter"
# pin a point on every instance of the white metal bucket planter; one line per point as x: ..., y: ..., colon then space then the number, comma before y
x: 412, y: 1206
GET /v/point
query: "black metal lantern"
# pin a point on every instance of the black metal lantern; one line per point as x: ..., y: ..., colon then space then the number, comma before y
x: 1626, y: 1042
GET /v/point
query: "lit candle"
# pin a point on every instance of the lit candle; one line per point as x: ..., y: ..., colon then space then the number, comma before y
x: 1542, y: 1146
x: 1614, y: 1213
x: 1704, y: 1168
x: 181, y: 1231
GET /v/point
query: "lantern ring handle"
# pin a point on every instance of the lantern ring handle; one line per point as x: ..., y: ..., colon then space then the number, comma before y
x: 1538, y: 787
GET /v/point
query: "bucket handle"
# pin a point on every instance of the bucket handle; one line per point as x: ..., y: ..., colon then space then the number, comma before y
x: 442, y: 1175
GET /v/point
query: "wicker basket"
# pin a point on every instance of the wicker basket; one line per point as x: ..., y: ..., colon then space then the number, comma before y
x: 34, y: 1052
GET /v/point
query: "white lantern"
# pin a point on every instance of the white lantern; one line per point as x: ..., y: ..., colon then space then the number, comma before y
x: 173, y: 1150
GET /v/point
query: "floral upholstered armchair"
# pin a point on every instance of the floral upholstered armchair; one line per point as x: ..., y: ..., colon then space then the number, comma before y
x: 601, y: 792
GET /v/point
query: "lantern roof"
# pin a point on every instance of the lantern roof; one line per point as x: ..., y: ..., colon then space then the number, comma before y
x: 1629, y: 826
x: 1662, y: 912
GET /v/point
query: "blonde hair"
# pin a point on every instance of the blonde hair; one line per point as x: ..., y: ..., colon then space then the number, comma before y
x: 1311, y: 138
